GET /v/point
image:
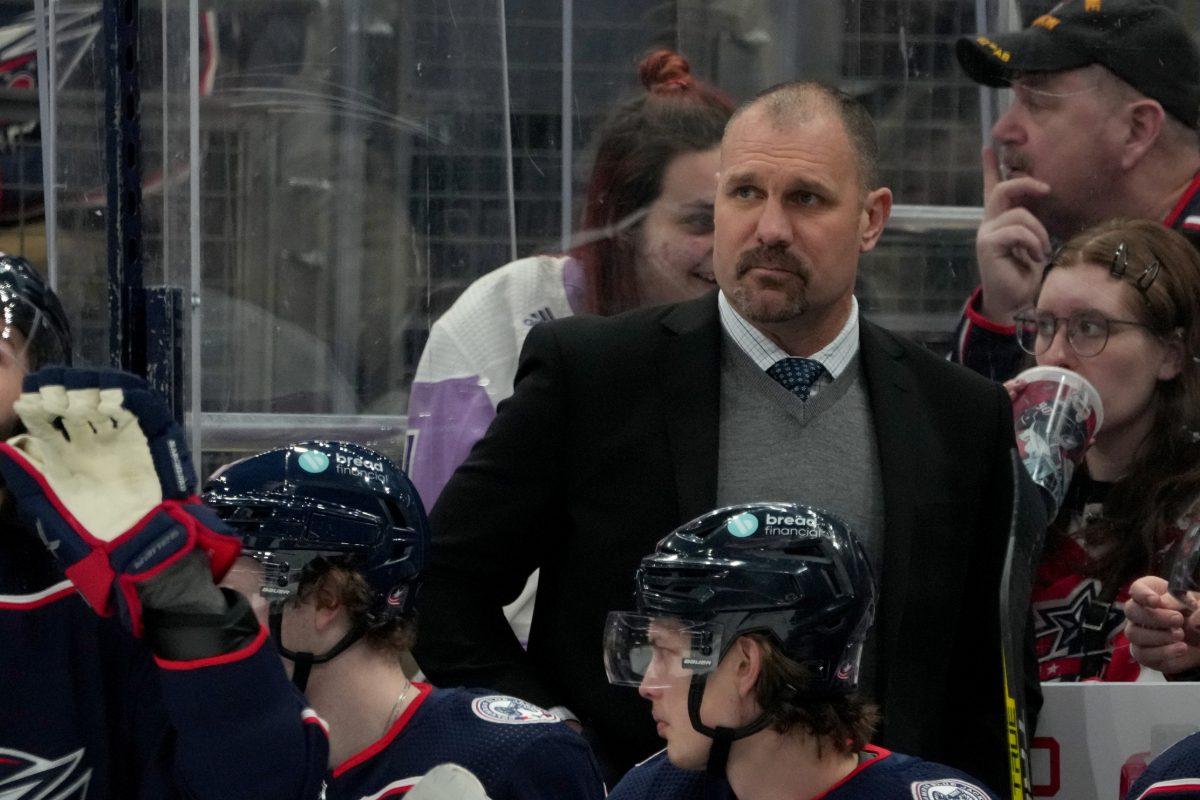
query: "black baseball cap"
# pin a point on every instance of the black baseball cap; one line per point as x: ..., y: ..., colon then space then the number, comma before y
x: 1143, y: 43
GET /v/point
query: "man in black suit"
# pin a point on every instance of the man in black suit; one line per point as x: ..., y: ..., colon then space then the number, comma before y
x: 622, y: 428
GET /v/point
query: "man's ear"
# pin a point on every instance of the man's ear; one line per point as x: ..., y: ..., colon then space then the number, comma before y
x: 327, y: 606
x: 749, y: 664
x: 1143, y: 124
x: 877, y: 207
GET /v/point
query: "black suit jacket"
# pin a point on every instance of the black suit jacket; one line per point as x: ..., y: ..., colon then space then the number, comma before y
x: 610, y: 441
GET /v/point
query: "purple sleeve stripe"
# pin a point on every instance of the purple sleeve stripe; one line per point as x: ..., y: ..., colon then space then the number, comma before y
x: 445, y: 419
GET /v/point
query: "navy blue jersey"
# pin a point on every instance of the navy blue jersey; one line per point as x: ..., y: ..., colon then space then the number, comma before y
x: 87, y: 713
x: 1174, y: 774
x: 517, y: 750
x: 880, y: 775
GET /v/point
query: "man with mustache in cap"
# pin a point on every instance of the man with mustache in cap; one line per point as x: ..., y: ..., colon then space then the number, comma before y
x: 622, y: 428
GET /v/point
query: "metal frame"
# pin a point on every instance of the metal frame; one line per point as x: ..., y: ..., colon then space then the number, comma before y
x: 123, y: 156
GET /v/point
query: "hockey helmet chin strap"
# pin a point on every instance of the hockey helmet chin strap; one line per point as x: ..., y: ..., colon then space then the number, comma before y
x: 723, y: 738
x: 304, y: 661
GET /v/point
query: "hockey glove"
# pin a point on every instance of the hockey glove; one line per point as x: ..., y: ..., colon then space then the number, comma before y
x: 104, y: 475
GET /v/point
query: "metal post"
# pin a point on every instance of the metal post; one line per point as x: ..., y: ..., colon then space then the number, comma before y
x: 48, y: 110
x: 349, y: 208
x: 508, y: 148
x: 568, y: 119
x: 123, y: 159
x: 196, y: 319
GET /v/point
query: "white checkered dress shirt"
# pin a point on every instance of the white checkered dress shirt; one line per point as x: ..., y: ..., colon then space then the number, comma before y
x: 834, y: 356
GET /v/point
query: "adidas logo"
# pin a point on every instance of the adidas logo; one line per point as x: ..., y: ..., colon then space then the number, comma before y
x: 541, y: 315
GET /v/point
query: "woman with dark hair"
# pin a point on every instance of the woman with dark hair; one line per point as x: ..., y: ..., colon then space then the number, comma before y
x: 1120, y: 305
x: 647, y: 222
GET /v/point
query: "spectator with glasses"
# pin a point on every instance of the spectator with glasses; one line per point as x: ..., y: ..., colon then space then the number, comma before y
x: 1120, y: 305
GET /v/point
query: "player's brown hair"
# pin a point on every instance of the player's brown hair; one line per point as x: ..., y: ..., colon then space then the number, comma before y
x: 330, y: 584
x: 845, y: 723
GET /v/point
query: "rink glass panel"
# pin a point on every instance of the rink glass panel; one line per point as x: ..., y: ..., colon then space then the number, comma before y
x: 355, y: 172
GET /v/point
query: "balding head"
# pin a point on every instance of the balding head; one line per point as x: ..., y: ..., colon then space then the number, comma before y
x: 798, y: 102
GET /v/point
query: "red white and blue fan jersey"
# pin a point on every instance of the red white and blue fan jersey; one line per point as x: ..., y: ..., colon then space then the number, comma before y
x: 1063, y: 590
x: 516, y: 749
x: 1061, y: 595
x: 1175, y: 774
x: 87, y: 713
x: 880, y: 775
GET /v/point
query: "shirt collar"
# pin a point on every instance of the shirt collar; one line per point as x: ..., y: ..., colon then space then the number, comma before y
x: 834, y: 356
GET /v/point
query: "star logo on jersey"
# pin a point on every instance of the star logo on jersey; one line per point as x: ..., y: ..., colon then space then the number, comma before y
x: 509, y: 711
x: 1058, y: 624
x: 947, y: 789
x: 27, y: 777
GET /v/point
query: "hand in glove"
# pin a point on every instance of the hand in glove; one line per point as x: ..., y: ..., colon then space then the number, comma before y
x: 105, y: 476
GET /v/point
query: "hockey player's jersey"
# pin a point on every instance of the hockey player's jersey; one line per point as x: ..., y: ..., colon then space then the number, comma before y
x: 880, y: 775
x: 1063, y: 594
x: 86, y: 713
x: 1175, y: 774
x: 517, y: 750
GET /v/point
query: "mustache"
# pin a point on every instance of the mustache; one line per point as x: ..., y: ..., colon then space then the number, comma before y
x: 772, y: 257
x: 1011, y: 160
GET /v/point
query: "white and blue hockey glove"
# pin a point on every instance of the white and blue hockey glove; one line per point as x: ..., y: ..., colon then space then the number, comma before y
x: 105, y: 476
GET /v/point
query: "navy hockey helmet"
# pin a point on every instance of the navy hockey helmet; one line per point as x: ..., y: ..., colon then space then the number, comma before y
x: 31, y: 307
x: 333, y: 502
x: 790, y: 571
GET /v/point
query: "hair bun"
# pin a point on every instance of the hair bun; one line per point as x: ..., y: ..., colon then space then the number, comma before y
x: 665, y: 71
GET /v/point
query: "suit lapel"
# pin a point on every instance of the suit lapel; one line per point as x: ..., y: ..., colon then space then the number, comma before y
x: 901, y: 434
x: 690, y: 369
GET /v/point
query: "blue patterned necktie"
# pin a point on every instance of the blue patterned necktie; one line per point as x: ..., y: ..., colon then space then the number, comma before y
x: 797, y: 375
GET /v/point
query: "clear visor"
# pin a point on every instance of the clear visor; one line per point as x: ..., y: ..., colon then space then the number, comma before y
x: 1185, y: 570
x: 657, y: 652
x: 273, y: 577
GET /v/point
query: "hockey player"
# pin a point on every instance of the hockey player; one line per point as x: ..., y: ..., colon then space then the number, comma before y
x: 334, y: 538
x: 126, y: 672
x: 746, y: 642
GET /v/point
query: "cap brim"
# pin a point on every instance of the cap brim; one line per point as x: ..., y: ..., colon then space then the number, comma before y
x: 993, y: 61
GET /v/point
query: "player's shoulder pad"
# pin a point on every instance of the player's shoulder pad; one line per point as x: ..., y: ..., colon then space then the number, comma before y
x: 502, y: 709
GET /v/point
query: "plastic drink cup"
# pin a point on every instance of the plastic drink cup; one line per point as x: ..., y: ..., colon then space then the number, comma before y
x: 1055, y: 417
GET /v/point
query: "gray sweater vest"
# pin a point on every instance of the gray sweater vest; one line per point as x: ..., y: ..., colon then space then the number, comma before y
x: 822, y: 452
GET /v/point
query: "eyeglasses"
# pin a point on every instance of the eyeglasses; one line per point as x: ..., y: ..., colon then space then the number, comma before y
x: 1087, y: 331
